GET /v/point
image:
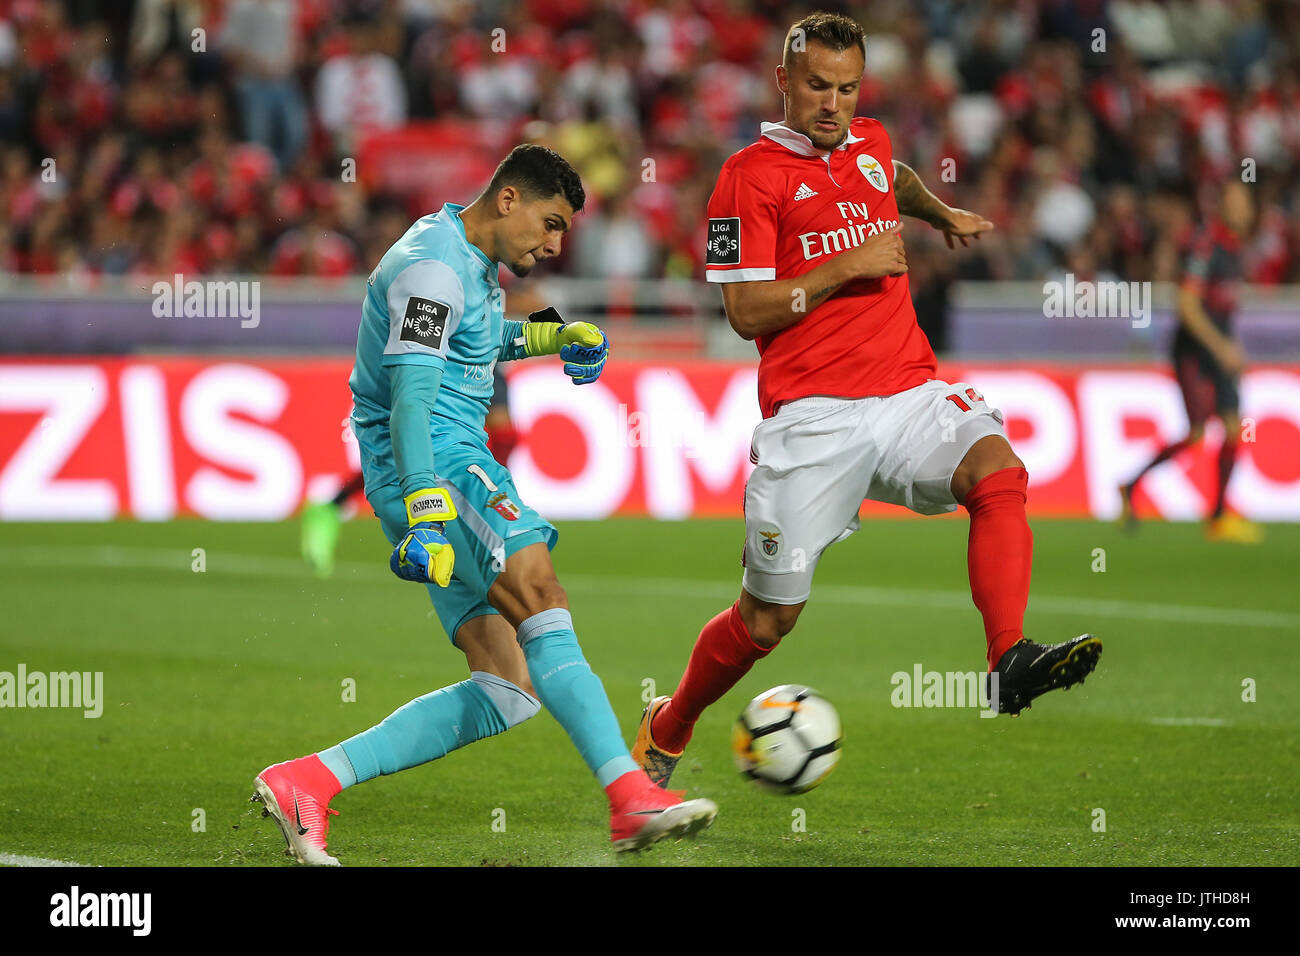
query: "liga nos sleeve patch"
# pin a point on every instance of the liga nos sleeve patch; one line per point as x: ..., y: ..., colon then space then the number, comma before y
x: 425, y: 322
x: 723, y: 247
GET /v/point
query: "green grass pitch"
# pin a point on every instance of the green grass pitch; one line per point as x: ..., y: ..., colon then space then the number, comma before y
x: 209, y: 676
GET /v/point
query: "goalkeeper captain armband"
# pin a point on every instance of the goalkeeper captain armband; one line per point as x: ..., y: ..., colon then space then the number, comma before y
x: 429, y: 504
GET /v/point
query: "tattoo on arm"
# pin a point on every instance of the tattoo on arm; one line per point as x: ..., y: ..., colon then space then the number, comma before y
x: 821, y: 294
x: 913, y: 198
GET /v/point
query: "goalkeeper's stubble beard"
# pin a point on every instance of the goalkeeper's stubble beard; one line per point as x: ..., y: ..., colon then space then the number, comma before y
x: 522, y: 266
x: 532, y: 233
x: 521, y: 262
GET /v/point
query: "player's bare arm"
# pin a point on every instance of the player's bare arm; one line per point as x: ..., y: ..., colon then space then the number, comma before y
x: 917, y: 201
x: 1192, y: 314
x: 764, y: 307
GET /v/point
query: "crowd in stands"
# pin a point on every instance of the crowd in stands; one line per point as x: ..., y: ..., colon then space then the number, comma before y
x: 215, y: 136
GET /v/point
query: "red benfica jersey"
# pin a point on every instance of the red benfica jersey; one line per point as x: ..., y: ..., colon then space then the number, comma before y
x: 781, y: 208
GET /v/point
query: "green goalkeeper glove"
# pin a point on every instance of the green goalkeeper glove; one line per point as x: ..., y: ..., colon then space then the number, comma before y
x: 583, y: 347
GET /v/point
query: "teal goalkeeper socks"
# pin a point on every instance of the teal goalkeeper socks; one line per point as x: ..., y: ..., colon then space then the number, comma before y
x: 427, y: 728
x: 432, y: 726
x: 573, y: 694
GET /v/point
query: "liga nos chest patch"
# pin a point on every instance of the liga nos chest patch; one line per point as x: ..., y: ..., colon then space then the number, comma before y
x: 425, y: 322
x: 723, y: 248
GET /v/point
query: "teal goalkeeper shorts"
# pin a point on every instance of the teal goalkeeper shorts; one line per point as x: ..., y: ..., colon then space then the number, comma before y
x: 492, y: 522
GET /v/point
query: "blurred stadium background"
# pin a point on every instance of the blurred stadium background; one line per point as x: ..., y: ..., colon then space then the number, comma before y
x: 281, y: 147
x: 287, y: 144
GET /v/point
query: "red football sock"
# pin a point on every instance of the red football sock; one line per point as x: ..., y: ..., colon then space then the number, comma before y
x: 1227, y: 458
x: 999, y: 556
x: 723, y: 654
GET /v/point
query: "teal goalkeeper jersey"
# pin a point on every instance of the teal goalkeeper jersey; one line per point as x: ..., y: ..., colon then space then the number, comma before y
x: 433, y: 328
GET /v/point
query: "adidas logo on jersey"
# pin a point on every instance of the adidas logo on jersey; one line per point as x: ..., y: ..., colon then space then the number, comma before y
x: 803, y: 192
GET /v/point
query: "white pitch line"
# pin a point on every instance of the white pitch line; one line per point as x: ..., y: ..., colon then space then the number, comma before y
x: 11, y: 859
x: 266, y: 566
x: 166, y: 559
x: 956, y: 601
x: 1188, y: 721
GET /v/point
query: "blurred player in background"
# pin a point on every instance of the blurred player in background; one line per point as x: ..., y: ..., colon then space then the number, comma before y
x: 433, y: 328
x: 321, y: 520
x: 1207, y: 360
x: 804, y: 234
x: 320, y: 526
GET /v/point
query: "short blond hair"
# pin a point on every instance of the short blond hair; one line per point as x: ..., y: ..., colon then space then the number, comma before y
x: 829, y: 29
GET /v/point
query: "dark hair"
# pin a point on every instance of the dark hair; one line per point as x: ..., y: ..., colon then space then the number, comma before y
x: 830, y: 29
x: 539, y: 173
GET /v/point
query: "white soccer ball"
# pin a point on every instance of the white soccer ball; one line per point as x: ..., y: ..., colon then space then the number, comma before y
x: 787, y: 739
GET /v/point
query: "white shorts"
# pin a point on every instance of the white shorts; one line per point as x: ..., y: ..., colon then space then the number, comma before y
x: 819, y: 458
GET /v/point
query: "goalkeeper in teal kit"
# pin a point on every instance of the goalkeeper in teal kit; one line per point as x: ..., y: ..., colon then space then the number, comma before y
x: 432, y: 330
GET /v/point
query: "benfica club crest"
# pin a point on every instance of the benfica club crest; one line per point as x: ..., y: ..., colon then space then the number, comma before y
x: 502, y: 505
x: 770, y: 545
x: 874, y: 173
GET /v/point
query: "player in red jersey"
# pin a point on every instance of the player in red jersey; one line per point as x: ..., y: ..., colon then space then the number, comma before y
x: 804, y: 235
x: 1207, y: 360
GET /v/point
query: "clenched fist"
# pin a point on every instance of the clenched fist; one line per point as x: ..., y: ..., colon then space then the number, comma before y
x: 881, y: 255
